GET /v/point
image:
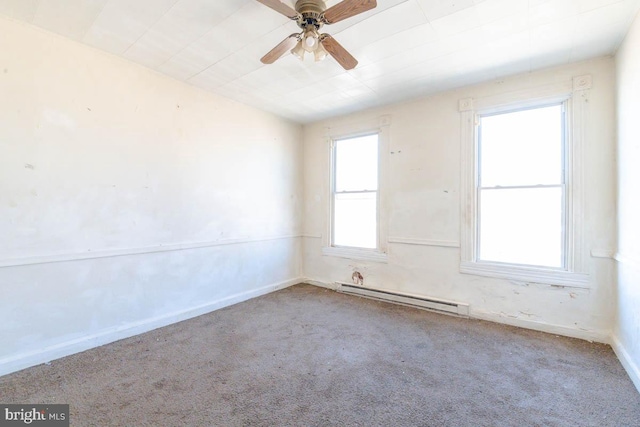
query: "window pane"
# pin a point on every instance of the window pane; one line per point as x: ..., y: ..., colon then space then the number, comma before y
x: 357, y: 163
x: 355, y: 220
x: 522, y: 226
x: 522, y: 148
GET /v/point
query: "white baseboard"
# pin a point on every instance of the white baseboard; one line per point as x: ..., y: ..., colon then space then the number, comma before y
x: 597, y: 336
x: 25, y: 360
x: 320, y: 284
x: 603, y: 337
x: 630, y: 365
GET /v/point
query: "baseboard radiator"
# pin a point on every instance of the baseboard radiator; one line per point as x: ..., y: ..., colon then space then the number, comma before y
x: 432, y: 304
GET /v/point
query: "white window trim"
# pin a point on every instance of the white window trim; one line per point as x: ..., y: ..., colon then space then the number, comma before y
x: 381, y: 127
x: 576, y: 94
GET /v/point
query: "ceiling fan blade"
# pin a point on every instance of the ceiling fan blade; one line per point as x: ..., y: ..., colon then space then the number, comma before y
x: 346, y: 9
x: 283, y: 47
x: 278, y: 6
x: 339, y: 53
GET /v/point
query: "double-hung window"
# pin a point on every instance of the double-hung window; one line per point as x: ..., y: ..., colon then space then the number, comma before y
x: 354, y: 204
x: 521, y: 187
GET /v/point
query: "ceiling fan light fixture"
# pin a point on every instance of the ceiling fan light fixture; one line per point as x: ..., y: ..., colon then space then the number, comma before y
x: 320, y: 53
x: 310, y: 40
x: 298, y: 51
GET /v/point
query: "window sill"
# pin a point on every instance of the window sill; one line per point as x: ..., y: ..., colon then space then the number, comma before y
x: 354, y: 253
x: 526, y: 274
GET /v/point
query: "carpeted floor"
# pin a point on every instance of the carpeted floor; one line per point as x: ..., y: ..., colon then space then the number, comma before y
x: 306, y: 356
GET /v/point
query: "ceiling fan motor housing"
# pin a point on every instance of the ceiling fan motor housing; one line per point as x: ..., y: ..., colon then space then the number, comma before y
x: 311, y: 11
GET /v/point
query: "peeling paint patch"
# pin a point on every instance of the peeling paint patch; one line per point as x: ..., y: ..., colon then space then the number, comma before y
x: 573, y: 295
x: 514, y: 282
x: 357, y: 278
x: 503, y: 314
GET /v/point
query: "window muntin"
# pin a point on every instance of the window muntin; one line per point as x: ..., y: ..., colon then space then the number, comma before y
x: 355, y: 192
x: 521, y: 191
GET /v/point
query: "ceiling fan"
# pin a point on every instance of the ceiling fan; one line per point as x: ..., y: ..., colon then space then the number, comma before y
x: 311, y: 15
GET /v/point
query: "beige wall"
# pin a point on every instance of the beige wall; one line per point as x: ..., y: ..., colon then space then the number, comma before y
x: 627, y: 327
x: 129, y: 200
x: 423, y: 194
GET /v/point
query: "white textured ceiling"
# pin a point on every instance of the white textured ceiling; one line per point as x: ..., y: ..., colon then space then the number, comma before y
x: 405, y: 48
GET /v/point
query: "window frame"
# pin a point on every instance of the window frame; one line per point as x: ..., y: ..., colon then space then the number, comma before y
x: 575, y: 99
x: 379, y: 126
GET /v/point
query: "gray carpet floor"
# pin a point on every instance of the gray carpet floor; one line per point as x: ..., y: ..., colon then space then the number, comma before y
x: 307, y: 356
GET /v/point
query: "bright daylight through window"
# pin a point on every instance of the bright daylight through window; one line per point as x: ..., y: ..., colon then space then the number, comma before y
x: 521, y: 192
x: 355, y: 192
